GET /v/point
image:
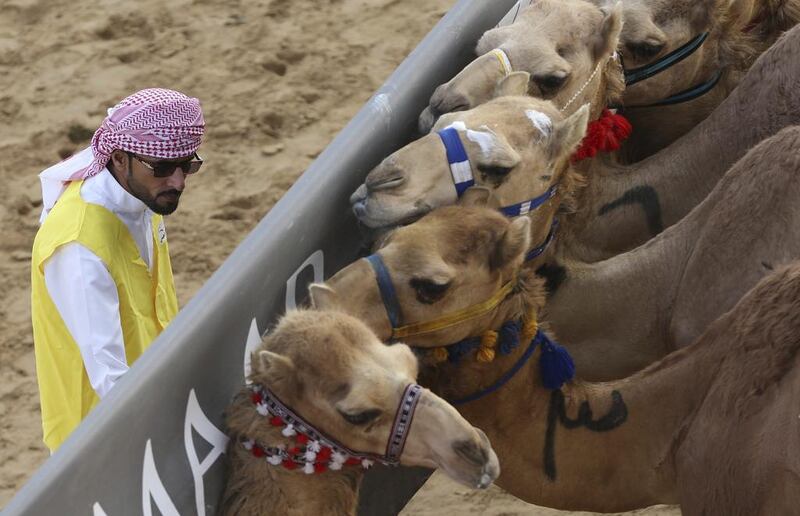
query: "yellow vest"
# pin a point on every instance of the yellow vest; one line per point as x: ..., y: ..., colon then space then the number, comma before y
x: 147, y: 303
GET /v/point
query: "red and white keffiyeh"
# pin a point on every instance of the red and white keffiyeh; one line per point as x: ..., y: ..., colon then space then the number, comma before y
x: 153, y: 122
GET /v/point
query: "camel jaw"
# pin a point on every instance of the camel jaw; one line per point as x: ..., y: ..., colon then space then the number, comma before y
x: 381, y: 219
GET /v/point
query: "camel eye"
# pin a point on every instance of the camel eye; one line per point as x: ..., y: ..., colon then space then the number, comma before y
x: 549, y: 84
x: 427, y: 291
x: 494, y: 171
x: 643, y: 50
x: 361, y: 418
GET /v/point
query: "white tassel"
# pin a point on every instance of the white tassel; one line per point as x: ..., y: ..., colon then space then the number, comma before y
x: 366, y: 463
x: 314, y: 446
x: 288, y: 431
x: 335, y: 466
x: 310, y: 456
x: 261, y: 408
x: 308, y: 468
x: 339, y: 458
x: 275, y: 460
x: 248, y: 444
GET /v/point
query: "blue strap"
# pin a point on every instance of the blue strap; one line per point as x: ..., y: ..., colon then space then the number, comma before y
x: 507, y: 376
x: 457, y: 158
x: 673, y: 58
x: 388, y: 294
x: 533, y: 253
x: 522, y: 208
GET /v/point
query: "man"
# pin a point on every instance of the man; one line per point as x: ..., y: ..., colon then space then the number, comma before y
x: 101, y: 279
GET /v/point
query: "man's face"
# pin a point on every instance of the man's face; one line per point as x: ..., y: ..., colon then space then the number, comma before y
x: 160, y: 194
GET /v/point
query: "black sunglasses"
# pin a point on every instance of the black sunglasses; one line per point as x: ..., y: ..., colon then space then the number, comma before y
x: 167, y: 168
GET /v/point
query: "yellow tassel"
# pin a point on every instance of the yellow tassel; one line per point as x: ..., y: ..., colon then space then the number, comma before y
x: 529, y: 330
x: 439, y: 354
x: 485, y: 355
x: 488, y: 343
x: 489, y: 339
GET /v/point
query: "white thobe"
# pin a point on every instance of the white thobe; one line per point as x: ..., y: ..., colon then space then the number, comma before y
x: 84, y: 292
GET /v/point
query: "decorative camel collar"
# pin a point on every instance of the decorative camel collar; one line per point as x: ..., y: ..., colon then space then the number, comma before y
x: 556, y: 365
x: 316, y: 452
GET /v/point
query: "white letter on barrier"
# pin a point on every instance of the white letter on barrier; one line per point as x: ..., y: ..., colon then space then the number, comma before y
x: 196, y: 418
x: 253, y: 340
x: 153, y: 488
x: 316, y: 261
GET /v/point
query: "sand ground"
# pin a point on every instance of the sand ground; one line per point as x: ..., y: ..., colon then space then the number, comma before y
x: 277, y: 80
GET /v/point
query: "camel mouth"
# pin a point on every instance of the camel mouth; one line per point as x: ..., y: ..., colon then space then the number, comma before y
x: 480, y: 456
x: 426, y: 121
x: 383, y: 219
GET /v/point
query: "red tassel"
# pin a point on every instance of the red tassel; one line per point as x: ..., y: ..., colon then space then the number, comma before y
x: 295, y: 450
x: 319, y: 468
x: 324, y: 454
x: 301, y: 439
x: 352, y: 461
x: 256, y: 397
x: 257, y: 450
x: 276, y: 421
x: 603, y: 135
x: 289, y: 464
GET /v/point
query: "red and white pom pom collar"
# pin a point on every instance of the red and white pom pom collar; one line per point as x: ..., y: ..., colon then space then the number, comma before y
x: 316, y: 452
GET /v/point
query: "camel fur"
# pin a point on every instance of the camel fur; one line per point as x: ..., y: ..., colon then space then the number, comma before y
x: 711, y: 427
x: 330, y: 368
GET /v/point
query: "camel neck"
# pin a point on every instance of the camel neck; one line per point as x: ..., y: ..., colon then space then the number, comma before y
x: 601, y: 447
x: 280, y: 491
x: 616, y: 303
x: 624, y: 206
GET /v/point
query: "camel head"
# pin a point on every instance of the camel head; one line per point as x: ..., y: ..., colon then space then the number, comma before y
x: 565, y: 46
x: 452, y: 259
x: 653, y: 29
x: 335, y: 373
x: 518, y: 148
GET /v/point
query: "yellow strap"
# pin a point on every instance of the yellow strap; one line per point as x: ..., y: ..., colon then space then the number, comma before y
x: 505, y: 63
x: 455, y: 318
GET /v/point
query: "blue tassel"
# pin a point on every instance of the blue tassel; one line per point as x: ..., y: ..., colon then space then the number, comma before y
x: 509, y: 337
x: 457, y: 351
x: 555, y: 364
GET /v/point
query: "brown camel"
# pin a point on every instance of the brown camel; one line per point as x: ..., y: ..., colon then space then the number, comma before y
x: 713, y: 427
x: 333, y: 372
x: 557, y: 43
x: 663, y: 294
x: 623, y: 206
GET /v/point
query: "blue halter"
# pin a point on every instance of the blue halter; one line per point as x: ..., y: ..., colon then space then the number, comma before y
x: 458, y: 160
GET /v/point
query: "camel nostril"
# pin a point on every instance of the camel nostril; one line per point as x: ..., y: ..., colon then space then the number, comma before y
x: 471, y: 452
x: 359, y: 195
x: 384, y: 179
x: 550, y: 84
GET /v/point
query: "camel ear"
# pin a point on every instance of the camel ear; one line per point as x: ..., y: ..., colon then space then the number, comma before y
x: 608, y: 40
x: 513, y: 244
x: 476, y: 196
x: 322, y: 296
x: 515, y: 83
x: 568, y: 133
x: 272, y: 365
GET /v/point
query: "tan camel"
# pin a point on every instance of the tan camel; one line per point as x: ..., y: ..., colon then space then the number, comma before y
x: 663, y: 294
x: 330, y: 369
x: 713, y: 427
x: 623, y: 206
x: 557, y: 43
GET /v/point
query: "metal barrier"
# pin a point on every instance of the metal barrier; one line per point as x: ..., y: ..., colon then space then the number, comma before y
x: 155, y: 441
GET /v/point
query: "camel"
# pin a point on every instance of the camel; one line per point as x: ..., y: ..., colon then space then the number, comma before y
x: 661, y: 295
x: 713, y: 426
x: 622, y: 206
x: 329, y: 368
x: 554, y: 41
